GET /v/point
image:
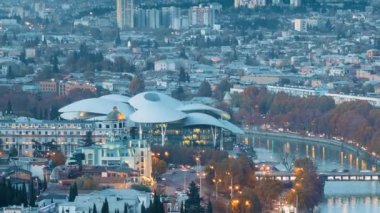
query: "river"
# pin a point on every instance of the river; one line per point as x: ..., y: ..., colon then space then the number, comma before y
x: 363, y: 197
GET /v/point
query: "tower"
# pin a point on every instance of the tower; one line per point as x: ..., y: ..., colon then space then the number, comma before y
x: 124, y: 14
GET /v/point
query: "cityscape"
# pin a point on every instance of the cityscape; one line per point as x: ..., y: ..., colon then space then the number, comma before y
x: 189, y: 106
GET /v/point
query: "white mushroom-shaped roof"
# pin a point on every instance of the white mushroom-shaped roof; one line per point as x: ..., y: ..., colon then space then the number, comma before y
x: 146, y: 98
x: 95, y: 106
x: 232, y: 127
x: 204, y: 108
x: 156, y: 113
x: 196, y: 119
x: 115, y: 97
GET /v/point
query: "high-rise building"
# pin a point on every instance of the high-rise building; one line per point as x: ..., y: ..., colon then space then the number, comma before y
x: 201, y: 16
x: 124, y: 14
x: 295, y: 3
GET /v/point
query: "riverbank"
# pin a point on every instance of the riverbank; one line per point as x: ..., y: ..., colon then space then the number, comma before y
x: 316, y: 140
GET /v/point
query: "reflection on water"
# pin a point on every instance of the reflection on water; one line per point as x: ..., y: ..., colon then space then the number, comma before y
x: 345, y: 197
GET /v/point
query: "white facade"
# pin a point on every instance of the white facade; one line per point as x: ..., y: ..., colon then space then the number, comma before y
x: 163, y: 65
x: 124, y: 14
x: 295, y: 3
x: 22, y: 133
x: 202, y: 16
x: 116, y: 151
x: 302, y: 25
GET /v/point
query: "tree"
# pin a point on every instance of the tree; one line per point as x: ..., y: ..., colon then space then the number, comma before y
x: 137, y: 85
x: 10, y: 74
x: 179, y: 93
x: 94, y: 209
x: 307, y: 190
x: 125, y: 208
x: 73, y: 192
x: 158, y: 166
x: 209, y: 207
x: 88, y: 139
x: 54, y: 62
x: 105, y: 207
x: 157, y: 206
x: 13, y: 152
x: 181, y: 210
x: 221, y: 88
x: 205, y: 89
x: 57, y: 157
x: 32, y: 194
x: 193, y: 203
x: 117, y: 39
x: 44, y: 183
x: 9, y: 109
x: 183, y: 75
x: 24, y: 195
x: 143, y: 210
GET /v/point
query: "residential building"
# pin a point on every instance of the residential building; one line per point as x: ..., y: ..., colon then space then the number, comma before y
x: 125, y: 14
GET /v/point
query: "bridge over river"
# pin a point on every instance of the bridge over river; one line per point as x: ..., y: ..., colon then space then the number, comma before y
x: 326, y: 176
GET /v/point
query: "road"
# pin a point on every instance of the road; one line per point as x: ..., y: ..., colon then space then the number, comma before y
x: 174, y: 180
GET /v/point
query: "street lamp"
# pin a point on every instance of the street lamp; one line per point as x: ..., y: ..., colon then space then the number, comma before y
x: 216, y: 181
x: 231, y: 186
x: 295, y: 191
x: 202, y: 174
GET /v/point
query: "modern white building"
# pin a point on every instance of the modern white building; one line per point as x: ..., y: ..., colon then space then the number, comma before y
x: 116, y: 199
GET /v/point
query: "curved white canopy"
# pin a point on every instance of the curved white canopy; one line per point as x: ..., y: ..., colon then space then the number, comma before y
x: 232, y: 127
x: 195, y: 119
x: 95, y: 106
x: 156, y: 114
x: 159, y: 99
x: 203, y: 108
x: 116, y: 97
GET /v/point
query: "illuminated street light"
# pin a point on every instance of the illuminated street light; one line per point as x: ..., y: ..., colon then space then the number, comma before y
x: 231, y: 186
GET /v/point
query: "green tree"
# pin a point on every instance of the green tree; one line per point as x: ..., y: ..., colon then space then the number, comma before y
x: 13, y: 152
x: 183, y: 75
x: 179, y: 93
x: 44, y: 183
x: 54, y: 62
x: 117, y: 39
x: 94, y: 210
x: 209, y: 207
x: 205, y: 89
x: 32, y: 195
x: 73, y: 192
x: 181, y: 210
x: 157, y: 206
x: 9, y: 109
x: 24, y: 195
x: 193, y: 203
x: 10, y: 74
x: 88, y: 139
x: 105, y: 207
x: 143, y: 210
